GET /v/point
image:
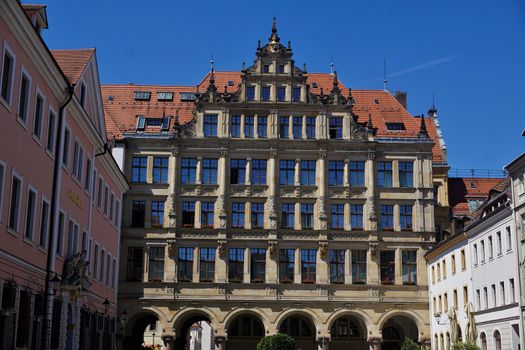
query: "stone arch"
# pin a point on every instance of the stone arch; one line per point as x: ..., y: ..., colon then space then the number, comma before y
x: 397, y: 325
x: 310, y: 315
x: 415, y: 317
x: 244, y: 329
x: 188, y: 313
x: 194, y: 324
x: 358, y: 314
x: 135, y: 325
x: 233, y: 314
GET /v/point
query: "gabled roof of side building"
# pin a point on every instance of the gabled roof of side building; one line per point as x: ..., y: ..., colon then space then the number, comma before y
x: 73, y: 62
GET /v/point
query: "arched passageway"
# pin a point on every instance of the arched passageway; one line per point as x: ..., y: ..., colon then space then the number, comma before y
x: 348, y: 332
x: 135, y: 329
x: 194, y: 333
x: 301, y: 329
x: 244, y: 332
x: 396, y: 329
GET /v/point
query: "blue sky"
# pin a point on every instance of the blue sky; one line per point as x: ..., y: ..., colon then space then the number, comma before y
x: 469, y: 54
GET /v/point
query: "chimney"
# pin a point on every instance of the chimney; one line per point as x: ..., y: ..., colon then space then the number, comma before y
x: 401, y: 97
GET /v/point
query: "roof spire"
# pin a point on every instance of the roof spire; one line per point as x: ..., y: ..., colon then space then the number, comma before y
x: 335, y: 80
x: 423, y: 127
x: 384, y: 75
x: 331, y: 65
x: 432, y: 112
x: 274, y: 38
x: 212, y: 70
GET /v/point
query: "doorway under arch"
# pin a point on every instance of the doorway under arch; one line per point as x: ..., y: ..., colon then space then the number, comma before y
x: 301, y: 329
x: 135, y: 328
x: 348, y: 332
x: 396, y: 329
x: 194, y: 333
x: 244, y: 332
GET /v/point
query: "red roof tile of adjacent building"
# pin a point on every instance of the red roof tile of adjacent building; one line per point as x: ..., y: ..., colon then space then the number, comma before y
x: 379, y: 104
x: 73, y: 62
x: 462, y: 189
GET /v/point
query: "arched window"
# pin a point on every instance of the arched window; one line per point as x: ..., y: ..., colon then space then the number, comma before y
x: 497, y: 340
x: 483, y: 338
x: 296, y: 326
x: 246, y: 326
x: 391, y: 333
x: 344, y: 327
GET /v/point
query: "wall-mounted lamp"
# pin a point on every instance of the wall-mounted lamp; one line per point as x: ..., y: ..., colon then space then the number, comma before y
x: 106, y: 306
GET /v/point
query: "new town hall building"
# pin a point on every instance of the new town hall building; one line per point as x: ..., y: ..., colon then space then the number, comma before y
x: 275, y: 200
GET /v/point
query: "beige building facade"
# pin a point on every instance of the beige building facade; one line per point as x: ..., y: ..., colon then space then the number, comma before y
x: 286, y: 203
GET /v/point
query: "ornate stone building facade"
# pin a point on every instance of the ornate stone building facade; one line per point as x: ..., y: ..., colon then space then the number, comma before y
x: 274, y: 200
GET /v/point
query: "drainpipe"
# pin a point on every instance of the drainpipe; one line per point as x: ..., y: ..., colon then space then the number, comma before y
x: 51, y: 250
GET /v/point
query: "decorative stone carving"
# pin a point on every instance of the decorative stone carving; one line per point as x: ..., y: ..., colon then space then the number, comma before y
x: 221, y: 248
x: 273, y: 153
x: 172, y: 248
x: 272, y: 248
x: 372, y: 207
x: 323, y: 249
x: 75, y: 271
x: 372, y: 248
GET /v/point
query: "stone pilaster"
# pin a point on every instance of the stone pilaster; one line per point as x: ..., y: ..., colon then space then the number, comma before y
x: 321, y: 201
x: 272, y: 189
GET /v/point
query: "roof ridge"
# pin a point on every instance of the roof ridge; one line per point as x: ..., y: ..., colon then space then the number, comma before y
x: 83, y: 49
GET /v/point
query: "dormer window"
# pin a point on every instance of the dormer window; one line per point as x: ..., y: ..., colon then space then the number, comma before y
x: 296, y: 94
x: 141, y: 123
x: 230, y: 82
x: 165, y: 123
x: 187, y: 96
x: 281, y: 69
x: 164, y: 96
x: 336, y: 128
x: 266, y: 93
x: 281, y: 93
x: 472, y: 184
x: 142, y: 95
x: 266, y: 68
x: 314, y: 85
x: 250, y: 93
x: 210, y: 125
x: 395, y: 126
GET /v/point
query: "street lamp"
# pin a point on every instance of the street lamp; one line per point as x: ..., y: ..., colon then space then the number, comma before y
x: 153, y: 339
x: 106, y: 305
x: 123, y: 317
x: 439, y: 319
x: 54, y: 283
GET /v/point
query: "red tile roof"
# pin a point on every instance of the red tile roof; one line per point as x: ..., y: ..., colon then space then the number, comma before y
x: 381, y: 105
x: 73, y: 62
x: 460, y: 191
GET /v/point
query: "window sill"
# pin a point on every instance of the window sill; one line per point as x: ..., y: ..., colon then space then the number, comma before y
x: 21, y: 121
x: 48, y: 152
x: 42, y: 249
x: 12, y: 231
x: 37, y: 139
x: 28, y: 241
x: 6, y: 104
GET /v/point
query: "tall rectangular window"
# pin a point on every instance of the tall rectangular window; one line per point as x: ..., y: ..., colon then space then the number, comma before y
x: 405, y: 217
x: 498, y: 243
x: 336, y: 128
x: 308, y: 172
x: 236, y: 265
x: 310, y: 128
x: 258, y: 172
x: 287, y: 212
x: 493, y: 294
x: 156, y: 264
x: 297, y: 127
x: 338, y: 216
x: 512, y: 291
x: 39, y: 113
x: 262, y: 127
x: 248, y: 127
x: 14, y: 204
x: 106, y: 193
x: 138, y: 213
x: 257, y: 265
x: 237, y: 215
x: 88, y: 178
x: 387, y: 217
x: 160, y: 170
x: 336, y: 172
x: 44, y: 221
x: 24, y: 319
x: 406, y: 174
x: 356, y: 216
x: 23, y: 101
x: 236, y: 126
x: 83, y: 91
x: 287, y: 172
x: 50, y: 141
x: 72, y: 239
x: 284, y: 127
x: 207, y: 265
x: 95, y: 263
x: 463, y: 260
x: 509, y: 238
x: 409, y: 263
x: 475, y: 253
x: 157, y: 213
x: 308, y: 265
x: 209, y: 171
x: 296, y: 94
x: 188, y: 170
x: 250, y: 93
x: 65, y: 153
x: 491, y: 248
x: 30, y: 214
x: 210, y: 125
x: 266, y: 93
x: 238, y: 171
x: 384, y: 174
x: 134, y: 271
x: 185, y: 264
x: 7, y: 76
x: 337, y: 266
x: 257, y: 215
x: 188, y: 214
x: 207, y: 214
x: 286, y: 265
x: 388, y: 266
x: 358, y: 266
x: 281, y: 94
x: 99, y: 192
x: 139, y: 166
x: 356, y: 173
x: 502, y: 293
x: 307, y: 216
x: 482, y: 251
x: 78, y: 161
x: 453, y: 263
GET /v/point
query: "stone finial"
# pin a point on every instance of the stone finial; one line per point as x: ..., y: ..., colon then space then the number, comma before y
x: 274, y: 38
x: 423, y: 127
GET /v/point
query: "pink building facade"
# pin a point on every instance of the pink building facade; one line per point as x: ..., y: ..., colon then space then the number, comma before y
x: 60, y: 193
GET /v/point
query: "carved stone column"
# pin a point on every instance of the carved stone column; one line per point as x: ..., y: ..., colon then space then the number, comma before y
x: 223, y: 183
x: 198, y: 175
x: 371, y: 202
x: 272, y: 184
x: 345, y: 173
x: 297, y: 173
x: 248, y: 180
x: 173, y: 185
x: 323, y: 216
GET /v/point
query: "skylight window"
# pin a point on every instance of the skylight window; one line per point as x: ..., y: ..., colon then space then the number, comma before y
x: 165, y: 123
x: 314, y: 85
x: 142, y: 95
x: 376, y: 101
x: 395, y: 126
x: 188, y: 96
x: 164, y: 96
x: 230, y: 82
x: 141, y: 122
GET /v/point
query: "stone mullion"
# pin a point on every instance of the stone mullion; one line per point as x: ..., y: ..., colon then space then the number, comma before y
x: 198, y: 175
x: 246, y: 266
x: 196, y: 264
x: 323, y: 216
x: 297, y: 266
x: 348, y: 266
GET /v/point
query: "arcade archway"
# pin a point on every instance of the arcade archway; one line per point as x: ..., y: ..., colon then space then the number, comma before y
x: 348, y: 332
x: 301, y: 329
x: 244, y: 332
x: 396, y: 329
x: 135, y: 329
